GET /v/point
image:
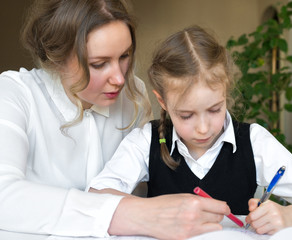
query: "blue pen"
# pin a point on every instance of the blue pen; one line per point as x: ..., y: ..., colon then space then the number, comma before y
x: 270, y: 188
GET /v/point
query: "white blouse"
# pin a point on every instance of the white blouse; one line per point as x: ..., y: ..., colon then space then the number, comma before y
x: 129, y: 165
x: 43, y: 172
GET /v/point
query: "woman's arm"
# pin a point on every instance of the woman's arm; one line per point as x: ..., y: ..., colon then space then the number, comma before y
x: 177, y: 216
x: 109, y: 191
x: 31, y: 201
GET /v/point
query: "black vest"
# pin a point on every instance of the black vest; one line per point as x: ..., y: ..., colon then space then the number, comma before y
x: 232, y: 177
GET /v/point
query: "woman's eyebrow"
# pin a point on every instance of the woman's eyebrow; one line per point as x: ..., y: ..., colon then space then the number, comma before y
x: 107, y: 57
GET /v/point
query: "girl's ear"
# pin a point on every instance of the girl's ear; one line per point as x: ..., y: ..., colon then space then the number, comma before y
x: 159, y: 99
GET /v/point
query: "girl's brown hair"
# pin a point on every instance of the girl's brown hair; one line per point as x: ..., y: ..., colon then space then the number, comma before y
x: 184, y: 58
x: 55, y: 29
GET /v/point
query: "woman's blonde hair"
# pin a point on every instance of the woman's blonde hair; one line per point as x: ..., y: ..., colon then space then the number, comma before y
x: 184, y: 58
x: 54, y: 29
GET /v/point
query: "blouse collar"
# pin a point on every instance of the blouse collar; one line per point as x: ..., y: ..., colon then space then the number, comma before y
x: 58, y: 95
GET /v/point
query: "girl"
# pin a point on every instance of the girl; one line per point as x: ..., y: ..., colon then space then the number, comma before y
x: 196, y: 142
x: 61, y: 122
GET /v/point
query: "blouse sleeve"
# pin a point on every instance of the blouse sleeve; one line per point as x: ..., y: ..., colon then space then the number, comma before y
x: 129, y: 164
x: 27, y: 206
x: 270, y: 155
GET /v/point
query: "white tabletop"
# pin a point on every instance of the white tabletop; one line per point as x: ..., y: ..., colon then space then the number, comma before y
x: 230, y: 229
x: 5, y: 235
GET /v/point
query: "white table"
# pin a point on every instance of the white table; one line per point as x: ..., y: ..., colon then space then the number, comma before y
x: 227, y: 224
x: 5, y: 235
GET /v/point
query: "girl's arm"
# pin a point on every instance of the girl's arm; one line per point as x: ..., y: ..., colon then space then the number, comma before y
x: 129, y: 164
x: 269, y: 217
x: 270, y: 155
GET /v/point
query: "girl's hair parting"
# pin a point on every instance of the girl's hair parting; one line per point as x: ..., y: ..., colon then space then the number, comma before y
x: 184, y: 58
x: 56, y: 29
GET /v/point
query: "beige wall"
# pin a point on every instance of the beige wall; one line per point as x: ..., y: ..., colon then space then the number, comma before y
x: 12, y: 54
x: 156, y: 19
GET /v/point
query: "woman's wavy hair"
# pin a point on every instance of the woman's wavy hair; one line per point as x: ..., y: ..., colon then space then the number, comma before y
x: 184, y: 58
x: 54, y: 29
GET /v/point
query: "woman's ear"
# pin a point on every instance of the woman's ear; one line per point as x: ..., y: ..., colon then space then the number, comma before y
x: 159, y: 99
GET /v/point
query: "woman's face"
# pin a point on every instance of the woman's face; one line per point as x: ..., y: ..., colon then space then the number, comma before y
x: 109, y: 51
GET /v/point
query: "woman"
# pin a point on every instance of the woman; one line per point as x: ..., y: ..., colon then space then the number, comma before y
x: 61, y: 122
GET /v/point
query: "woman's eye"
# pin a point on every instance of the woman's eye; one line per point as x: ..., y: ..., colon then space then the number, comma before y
x: 98, y: 66
x: 124, y: 56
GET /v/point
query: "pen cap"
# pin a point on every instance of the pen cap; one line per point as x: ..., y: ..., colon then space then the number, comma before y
x: 276, y: 178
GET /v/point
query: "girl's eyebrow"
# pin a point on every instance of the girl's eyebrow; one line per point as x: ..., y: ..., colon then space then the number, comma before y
x: 190, y: 111
x: 107, y: 57
x: 216, y: 104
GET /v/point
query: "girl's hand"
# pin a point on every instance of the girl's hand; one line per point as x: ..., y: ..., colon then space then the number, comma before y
x: 269, y: 217
x: 177, y: 216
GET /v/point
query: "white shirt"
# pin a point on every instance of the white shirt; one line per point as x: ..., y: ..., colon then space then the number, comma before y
x: 129, y: 165
x: 43, y: 173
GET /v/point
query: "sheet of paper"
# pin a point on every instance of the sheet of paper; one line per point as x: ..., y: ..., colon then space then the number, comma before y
x: 231, y: 231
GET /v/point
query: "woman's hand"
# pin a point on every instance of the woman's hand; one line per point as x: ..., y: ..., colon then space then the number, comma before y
x: 269, y: 217
x: 177, y: 216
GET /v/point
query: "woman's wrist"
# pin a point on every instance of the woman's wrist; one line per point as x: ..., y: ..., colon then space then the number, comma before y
x: 128, y: 217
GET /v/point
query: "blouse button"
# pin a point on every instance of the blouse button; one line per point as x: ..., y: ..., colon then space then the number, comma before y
x: 87, y: 112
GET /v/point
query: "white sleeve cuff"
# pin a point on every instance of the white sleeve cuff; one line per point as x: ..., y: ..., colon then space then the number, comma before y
x: 87, y: 214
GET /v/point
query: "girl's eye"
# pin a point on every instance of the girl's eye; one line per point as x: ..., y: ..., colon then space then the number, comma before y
x: 215, y: 110
x: 98, y: 66
x: 186, y: 117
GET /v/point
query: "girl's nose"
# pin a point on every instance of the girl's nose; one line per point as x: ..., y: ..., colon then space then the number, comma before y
x: 117, y: 76
x: 202, y: 125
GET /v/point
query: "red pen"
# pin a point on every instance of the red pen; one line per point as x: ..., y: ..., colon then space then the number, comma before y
x: 201, y: 193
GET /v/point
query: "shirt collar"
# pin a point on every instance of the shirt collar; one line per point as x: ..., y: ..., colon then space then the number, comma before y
x: 61, y: 100
x: 101, y: 110
x: 227, y: 135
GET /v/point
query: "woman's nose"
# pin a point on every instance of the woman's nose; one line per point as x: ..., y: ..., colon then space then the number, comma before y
x: 117, y: 76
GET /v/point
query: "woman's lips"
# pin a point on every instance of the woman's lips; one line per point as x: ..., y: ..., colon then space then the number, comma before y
x: 112, y: 95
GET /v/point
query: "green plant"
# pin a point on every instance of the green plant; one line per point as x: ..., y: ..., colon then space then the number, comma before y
x: 264, y: 77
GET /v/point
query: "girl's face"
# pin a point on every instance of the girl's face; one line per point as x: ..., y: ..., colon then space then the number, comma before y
x: 109, y: 52
x: 199, y: 117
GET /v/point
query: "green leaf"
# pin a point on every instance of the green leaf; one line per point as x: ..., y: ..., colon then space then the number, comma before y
x: 289, y: 93
x: 282, y: 44
x: 259, y: 28
x: 261, y: 62
x: 288, y: 107
x: 231, y: 43
x: 281, y: 138
x: 262, y: 122
x: 289, y: 58
x: 242, y: 39
x: 275, y: 78
x: 289, y: 5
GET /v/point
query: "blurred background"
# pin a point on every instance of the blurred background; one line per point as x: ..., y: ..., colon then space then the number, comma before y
x: 156, y: 19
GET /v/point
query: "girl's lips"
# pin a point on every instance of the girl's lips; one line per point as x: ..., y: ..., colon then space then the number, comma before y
x: 202, y: 140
